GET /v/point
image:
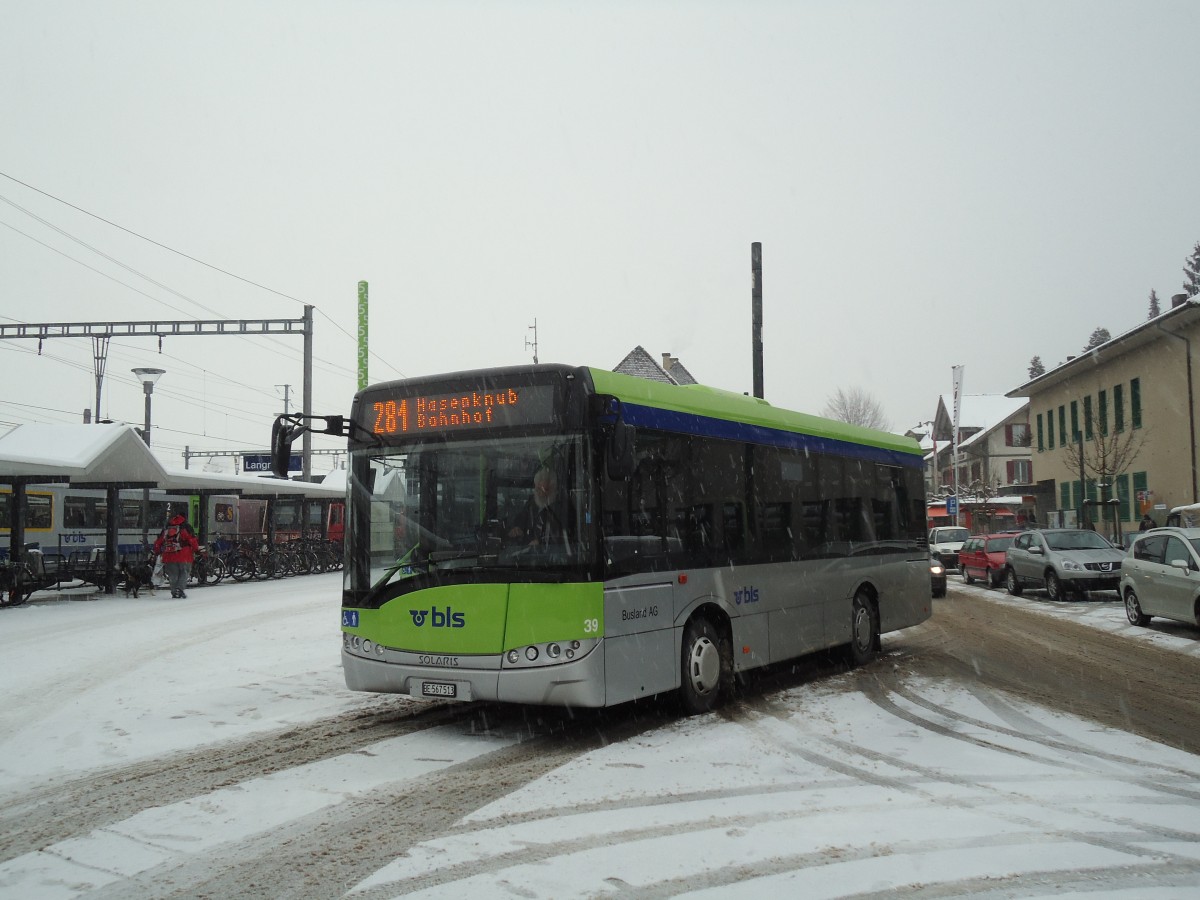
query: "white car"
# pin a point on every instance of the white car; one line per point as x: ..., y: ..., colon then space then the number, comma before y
x: 945, y: 542
x: 1161, y: 576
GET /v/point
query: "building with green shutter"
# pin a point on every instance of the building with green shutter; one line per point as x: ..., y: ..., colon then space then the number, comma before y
x: 1114, y: 430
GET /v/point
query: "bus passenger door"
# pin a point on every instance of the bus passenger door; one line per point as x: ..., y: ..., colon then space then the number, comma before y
x: 639, y: 642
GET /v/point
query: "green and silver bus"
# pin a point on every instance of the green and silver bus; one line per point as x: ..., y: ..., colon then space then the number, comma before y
x: 694, y: 534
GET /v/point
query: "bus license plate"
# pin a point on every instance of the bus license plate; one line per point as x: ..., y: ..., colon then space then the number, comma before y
x: 438, y: 689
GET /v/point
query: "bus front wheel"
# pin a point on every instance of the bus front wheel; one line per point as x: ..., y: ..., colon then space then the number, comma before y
x: 864, y: 630
x: 707, y: 667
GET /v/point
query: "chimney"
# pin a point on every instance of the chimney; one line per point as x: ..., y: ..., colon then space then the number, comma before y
x: 1178, y: 300
x: 667, y: 362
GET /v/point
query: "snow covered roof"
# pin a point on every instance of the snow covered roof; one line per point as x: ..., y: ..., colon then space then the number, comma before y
x: 190, y: 480
x: 984, y: 411
x: 83, y: 453
x: 641, y: 364
x: 1166, y: 322
x: 116, y: 454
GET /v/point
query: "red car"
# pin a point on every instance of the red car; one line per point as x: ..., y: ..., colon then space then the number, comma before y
x: 982, y: 557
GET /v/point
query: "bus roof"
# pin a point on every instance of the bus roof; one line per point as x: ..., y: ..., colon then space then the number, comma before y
x: 739, y: 409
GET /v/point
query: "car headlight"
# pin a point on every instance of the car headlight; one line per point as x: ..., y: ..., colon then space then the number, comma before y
x: 1071, y: 566
x: 937, y: 570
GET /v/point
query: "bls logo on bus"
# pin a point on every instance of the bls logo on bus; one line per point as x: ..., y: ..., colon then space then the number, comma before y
x: 745, y: 595
x: 437, y: 618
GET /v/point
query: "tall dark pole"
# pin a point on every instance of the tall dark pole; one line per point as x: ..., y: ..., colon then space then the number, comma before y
x: 756, y: 343
x: 1083, y: 507
x: 148, y: 388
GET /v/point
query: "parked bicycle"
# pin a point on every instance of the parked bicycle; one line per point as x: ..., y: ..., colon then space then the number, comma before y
x: 207, y: 566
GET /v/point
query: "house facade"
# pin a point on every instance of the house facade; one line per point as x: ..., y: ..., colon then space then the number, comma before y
x: 993, y: 446
x: 1114, y: 431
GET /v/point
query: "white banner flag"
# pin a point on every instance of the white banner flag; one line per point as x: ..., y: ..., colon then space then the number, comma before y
x: 958, y: 378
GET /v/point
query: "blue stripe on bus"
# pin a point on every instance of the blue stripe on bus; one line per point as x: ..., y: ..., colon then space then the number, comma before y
x: 689, y: 423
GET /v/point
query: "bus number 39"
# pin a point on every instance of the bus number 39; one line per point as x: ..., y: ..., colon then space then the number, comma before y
x: 591, y: 626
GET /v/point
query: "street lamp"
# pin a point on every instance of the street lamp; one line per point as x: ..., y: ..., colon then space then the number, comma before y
x: 148, y: 377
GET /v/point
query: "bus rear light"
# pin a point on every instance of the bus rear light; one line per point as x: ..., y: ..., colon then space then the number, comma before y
x: 531, y: 653
x: 553, y: 651
x: 366, y: 646
x: 514, y: 657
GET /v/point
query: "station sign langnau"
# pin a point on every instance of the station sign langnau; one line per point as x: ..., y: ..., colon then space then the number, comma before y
x: 261, y: 462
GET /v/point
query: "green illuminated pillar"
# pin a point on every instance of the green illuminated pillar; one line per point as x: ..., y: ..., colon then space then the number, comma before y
x: 362, y: 335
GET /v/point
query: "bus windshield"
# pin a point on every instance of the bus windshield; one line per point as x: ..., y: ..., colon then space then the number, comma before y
x: 491, y: 504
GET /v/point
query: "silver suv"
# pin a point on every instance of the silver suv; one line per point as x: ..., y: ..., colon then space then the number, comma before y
x: 1062, y: 560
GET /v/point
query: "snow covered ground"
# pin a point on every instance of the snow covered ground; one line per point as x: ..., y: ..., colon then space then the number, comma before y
x: 820, y: 791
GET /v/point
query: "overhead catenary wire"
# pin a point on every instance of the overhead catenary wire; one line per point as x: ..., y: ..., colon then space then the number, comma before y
x: 194, y: 259
x: 231, y: 408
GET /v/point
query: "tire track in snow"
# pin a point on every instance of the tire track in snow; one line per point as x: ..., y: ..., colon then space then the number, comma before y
x: 65, y: 809
x: 973, y: 794
x: 326, y: 853
x: 517, y: 852
x: 879, y: 695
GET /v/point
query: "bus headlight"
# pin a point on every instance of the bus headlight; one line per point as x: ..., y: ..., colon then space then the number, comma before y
x: 548, y: 654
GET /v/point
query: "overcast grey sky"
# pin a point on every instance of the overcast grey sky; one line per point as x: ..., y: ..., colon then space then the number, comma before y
x: 933, y: 183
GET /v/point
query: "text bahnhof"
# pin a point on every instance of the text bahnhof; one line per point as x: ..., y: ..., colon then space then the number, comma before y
x: 432, y: 413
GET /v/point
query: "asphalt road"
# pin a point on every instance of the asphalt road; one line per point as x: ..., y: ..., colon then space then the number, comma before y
x: 1125, y: 684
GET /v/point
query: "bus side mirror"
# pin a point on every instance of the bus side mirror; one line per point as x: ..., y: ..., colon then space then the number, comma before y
x: 283, y: 433
x: 619, y: 458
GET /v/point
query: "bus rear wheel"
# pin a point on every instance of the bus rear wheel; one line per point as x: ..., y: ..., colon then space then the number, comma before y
x: 707, y: 667
x: 864, y: 630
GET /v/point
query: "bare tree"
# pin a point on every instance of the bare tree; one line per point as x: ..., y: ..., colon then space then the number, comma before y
x: 983, y: 508
x: 856, y: 407
x: 1104, y: 457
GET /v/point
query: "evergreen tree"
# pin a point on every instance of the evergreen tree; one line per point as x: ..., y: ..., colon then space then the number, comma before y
x: 1099, y: 336
x: 1191, y: 268
x: 1036, y: 368
x: 1154, y: 310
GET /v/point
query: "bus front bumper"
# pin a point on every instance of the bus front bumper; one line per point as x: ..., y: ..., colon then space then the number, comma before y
x: 579, y: 682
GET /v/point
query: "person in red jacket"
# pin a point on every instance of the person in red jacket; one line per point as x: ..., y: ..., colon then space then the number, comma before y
x: 177, y: 543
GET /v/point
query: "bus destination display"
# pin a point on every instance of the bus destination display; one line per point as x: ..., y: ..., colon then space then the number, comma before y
x: 468, y: 410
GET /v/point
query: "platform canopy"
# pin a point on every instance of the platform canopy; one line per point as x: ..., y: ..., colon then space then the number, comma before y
x: 92, y: 454
x: 115, y: 454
